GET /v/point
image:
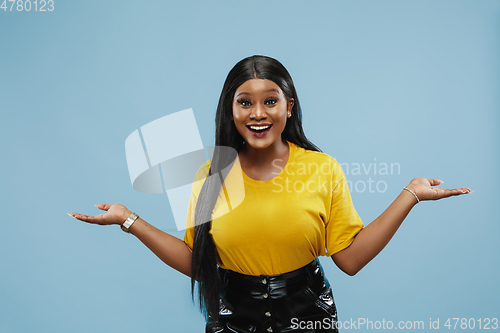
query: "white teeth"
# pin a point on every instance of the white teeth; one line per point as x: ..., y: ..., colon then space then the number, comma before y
x: 258, y: 128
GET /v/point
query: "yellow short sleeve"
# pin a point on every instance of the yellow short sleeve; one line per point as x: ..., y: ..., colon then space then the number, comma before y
x: 344, y: 222
x: 198, y: 181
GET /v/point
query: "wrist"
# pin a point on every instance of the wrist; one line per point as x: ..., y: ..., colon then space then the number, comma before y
x: 125, y: 216
x: 410, y: 190
x: 129, y: 222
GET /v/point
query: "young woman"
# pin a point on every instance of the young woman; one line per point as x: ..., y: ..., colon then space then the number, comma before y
x: 256, y: 263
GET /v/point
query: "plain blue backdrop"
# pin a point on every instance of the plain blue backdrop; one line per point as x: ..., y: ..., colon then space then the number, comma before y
x: 392, y: 81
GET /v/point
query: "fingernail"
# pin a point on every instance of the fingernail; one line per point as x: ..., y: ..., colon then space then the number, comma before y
x: 471, y: 191
x: 95, y: 205
x: 70, y: 215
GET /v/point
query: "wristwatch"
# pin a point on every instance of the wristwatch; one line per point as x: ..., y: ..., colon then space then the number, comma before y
x: 128, y: 222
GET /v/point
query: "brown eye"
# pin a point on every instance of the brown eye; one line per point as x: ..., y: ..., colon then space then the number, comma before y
x: 271, y: 101
x: 244, y: 102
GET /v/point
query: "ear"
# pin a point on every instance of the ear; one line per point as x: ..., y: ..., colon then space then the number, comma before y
x: 289, y: 107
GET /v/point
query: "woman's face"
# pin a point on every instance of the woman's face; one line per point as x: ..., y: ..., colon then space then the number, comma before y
x: 260, y: 112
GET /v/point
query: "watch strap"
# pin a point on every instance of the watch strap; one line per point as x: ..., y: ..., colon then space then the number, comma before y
x: 128, y: 222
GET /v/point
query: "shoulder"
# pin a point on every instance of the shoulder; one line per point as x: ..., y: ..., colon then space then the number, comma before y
x: 205, y: 167
x: 322, y: 160
x: 202, y: 172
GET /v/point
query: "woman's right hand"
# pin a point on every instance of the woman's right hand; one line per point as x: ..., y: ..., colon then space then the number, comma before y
x: 115, y: 214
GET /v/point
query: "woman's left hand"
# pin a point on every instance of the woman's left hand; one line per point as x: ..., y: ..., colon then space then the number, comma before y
x: 424, y: 190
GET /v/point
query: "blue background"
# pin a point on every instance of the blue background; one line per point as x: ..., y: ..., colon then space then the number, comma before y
x: 409, y: 82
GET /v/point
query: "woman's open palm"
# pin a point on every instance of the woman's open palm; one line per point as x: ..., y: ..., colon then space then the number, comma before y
x: 424, y: 190
x: 115, y: 214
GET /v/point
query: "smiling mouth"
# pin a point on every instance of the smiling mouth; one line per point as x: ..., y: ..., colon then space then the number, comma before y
x: 259, y: 128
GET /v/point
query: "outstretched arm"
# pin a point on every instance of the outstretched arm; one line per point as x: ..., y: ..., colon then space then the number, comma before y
x: 170, y: 249
x: 375, y: 236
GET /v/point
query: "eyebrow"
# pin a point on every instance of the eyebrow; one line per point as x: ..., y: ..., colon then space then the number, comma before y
x: 268, y: 90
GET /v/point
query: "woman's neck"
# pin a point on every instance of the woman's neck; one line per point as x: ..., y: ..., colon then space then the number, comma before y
x: 266, y: 156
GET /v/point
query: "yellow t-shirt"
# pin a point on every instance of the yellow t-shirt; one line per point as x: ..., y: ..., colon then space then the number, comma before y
x: 276, y: 226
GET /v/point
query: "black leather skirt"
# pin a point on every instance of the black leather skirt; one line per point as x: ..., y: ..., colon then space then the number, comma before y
x: 298, y: 301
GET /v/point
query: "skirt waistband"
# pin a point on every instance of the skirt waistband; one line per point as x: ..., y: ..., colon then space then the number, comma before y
x: 273, y: 285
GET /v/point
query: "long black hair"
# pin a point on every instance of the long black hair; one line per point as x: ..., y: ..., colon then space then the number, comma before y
x: 204, y: 260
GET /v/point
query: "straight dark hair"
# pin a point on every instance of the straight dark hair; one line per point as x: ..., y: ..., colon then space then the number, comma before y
x: 204, y: 259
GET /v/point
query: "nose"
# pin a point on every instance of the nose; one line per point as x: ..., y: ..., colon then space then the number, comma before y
x: 258, y: 112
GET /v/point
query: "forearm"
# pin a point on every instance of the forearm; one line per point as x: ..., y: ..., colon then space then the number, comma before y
x: 170, y: 249
x: 375, y: 236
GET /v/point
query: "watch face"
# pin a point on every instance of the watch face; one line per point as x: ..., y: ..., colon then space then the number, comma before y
x: 131, y: 219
